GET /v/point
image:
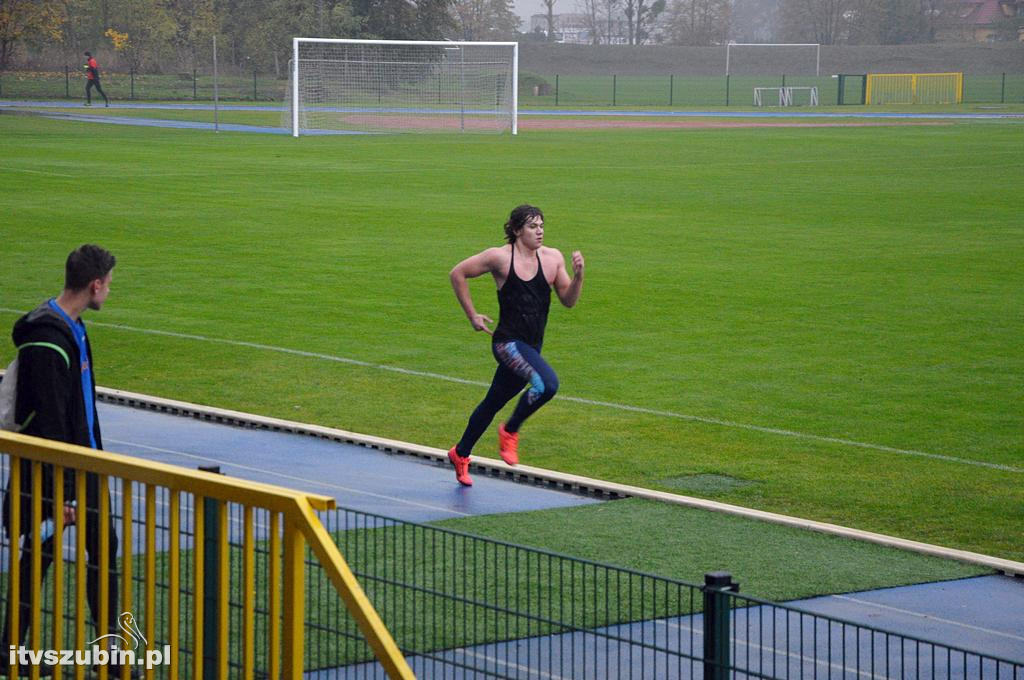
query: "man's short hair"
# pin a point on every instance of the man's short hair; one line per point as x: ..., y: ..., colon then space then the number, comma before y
x: 88, y: 54
x: 85, y: 265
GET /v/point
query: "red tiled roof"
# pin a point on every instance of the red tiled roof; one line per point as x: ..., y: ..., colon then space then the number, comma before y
x: 985, y: 12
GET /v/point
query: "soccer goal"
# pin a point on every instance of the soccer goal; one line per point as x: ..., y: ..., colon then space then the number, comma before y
x: 914, y: 88
x: 786, y: 96
x: 402, y: 86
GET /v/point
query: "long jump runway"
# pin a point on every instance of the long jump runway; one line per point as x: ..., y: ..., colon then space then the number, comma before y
x: 984, y: 614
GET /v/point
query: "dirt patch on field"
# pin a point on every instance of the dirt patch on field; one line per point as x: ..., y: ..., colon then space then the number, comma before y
x: 453, y: 122
x: 697, y: 123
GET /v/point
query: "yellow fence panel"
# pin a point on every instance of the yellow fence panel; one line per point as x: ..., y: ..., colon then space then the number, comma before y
x: 186, y: 577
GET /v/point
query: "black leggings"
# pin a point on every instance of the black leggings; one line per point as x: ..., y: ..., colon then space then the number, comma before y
x: 89, y: 84
x: 519, y: 365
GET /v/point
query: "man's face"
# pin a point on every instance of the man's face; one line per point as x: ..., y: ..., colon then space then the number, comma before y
x: 99, y: 290
x: 532, y: 233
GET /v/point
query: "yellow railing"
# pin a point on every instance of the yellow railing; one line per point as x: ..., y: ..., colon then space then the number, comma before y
x: 292, y: 525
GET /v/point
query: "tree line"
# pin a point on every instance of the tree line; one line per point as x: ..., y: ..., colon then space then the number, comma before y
x: 255, y: 35
x: 170, y: 35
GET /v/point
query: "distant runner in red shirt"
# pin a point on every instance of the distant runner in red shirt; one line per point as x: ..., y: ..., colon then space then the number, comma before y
x: 92, y: 79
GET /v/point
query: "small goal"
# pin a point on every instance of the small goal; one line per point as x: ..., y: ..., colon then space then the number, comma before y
x: 914, y: 88
x: 338, y: 85
x: 786, y: 96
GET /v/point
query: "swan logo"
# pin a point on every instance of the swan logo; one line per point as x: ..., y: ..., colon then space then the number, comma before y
x: 127, y: 623
x: 128, y: 648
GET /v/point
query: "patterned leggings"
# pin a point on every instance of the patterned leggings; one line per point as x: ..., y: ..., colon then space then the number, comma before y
x: 519, y: 365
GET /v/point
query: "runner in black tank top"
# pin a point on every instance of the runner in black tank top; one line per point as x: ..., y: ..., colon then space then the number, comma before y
x: 523, y: 307
x: 517, y: 340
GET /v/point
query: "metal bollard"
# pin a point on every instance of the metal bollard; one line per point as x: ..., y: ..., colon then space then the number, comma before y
x: 211, y: 569
x: 717, y: 586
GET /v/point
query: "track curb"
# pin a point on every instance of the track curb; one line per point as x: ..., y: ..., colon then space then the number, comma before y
x: 535, y: 475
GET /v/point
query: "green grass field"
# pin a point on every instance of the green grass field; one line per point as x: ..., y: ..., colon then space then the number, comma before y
x: 830, y: 318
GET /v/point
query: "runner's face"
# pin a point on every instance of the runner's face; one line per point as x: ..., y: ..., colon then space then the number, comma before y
x: 532, y: 233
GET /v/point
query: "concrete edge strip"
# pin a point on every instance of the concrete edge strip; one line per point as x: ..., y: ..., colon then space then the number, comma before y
x: 527, y: 473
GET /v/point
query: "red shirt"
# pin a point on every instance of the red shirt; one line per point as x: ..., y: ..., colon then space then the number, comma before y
x: 93, y: 69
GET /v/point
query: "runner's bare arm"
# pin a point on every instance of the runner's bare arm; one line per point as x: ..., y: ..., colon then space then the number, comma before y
x: 476, y: 265
x: 568, y: 290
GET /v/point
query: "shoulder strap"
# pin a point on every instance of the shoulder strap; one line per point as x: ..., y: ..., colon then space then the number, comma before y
x: 56, y: 348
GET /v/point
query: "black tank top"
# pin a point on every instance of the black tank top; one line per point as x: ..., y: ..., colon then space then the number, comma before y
x: 523, y: 306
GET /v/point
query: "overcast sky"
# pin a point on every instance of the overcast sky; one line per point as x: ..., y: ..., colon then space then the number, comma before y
x: 524, y: 8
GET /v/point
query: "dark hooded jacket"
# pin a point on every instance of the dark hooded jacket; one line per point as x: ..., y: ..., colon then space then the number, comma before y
x: 50, y: 402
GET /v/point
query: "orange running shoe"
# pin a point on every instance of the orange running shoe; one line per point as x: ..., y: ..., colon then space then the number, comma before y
x: 508, y: 445
x: 461, y: 464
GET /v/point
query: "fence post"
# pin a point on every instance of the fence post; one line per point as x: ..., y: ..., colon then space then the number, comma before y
x: 783, y: 80
x: 717, y: 585
x: 194, y: 74
x: 671, y: 82
x: 293, y: 579
x: 556, y: 89
x: 211, y: 581
x: 254, y: 96
x: 67, y: 82
x: 1002, y: 90
x: 614, y: 88
x: 726, y: 89
x: 131, y: 74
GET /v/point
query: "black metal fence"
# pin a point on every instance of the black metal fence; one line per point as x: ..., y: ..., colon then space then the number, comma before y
x: 552, y: 90
x: 464, y: 606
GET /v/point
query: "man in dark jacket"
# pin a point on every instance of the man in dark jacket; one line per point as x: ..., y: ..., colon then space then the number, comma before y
x: 92, y: 79
x: 56, y: 399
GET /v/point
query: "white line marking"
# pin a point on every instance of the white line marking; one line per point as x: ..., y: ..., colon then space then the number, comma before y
x: 8, y: 168
x: 802, y: 658
x: 929, y: 617
x: 577, y: 400
x: 291, y: 478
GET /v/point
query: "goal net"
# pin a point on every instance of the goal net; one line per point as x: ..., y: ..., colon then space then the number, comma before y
x: 402, y: 86
x: 914, y: 88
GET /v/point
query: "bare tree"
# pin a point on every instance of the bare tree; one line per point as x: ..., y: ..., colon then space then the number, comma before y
x: 589, y: 8
x: 698, y: 22
x: 639, y: 17
x: 821, y: 21
x: 482, y: 19
x: 550, y: 5
x: 611, y: 10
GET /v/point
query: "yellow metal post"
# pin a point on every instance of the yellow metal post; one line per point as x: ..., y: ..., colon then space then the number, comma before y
x: 58, y: 564
x: 174, y: 593
x: 248, y: 597
x: 126, y: 554
x: 150, y: 580
x: 103, y: 624
x: 14, y: 582
x: 294, y: 600
x: 80, y: 575
x: 274, y: 587
x: 35, y: 618
x: 223, y: 590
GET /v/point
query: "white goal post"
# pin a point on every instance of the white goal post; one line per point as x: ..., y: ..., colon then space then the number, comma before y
x: 340, y: 85
x: 731, y: 45
x: 785, y: 95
